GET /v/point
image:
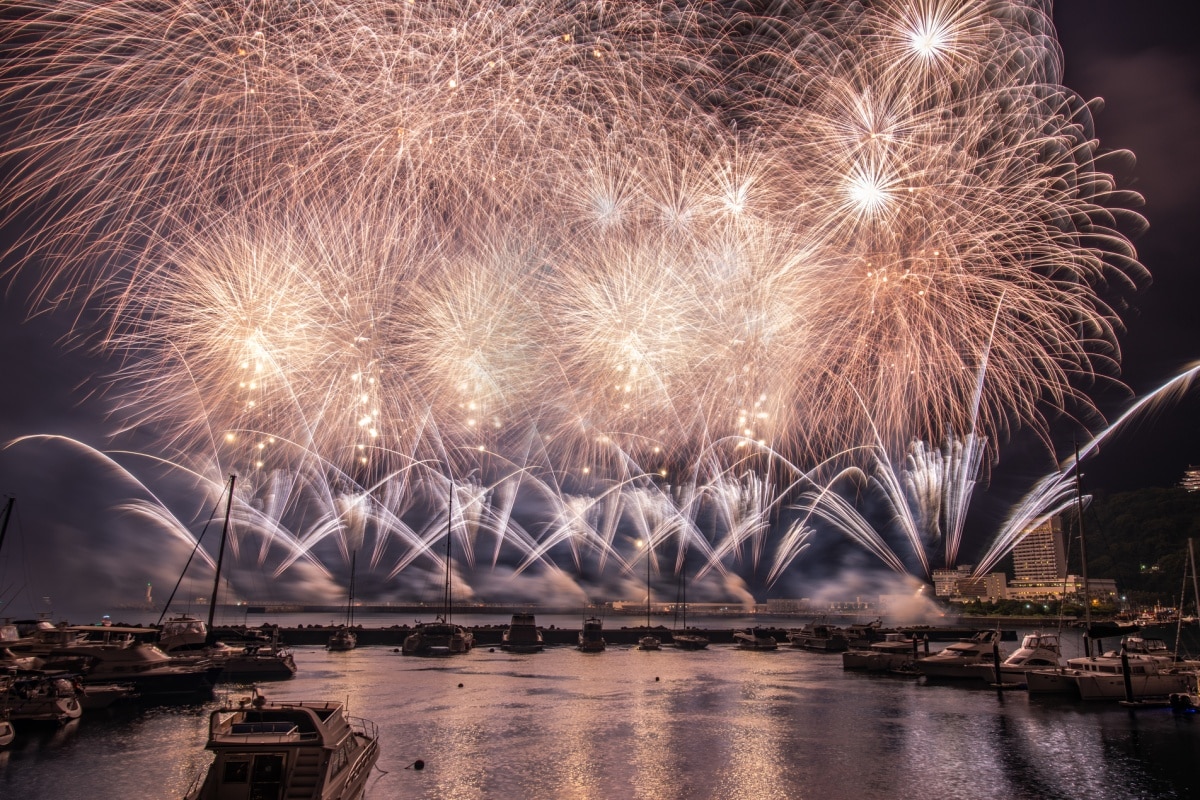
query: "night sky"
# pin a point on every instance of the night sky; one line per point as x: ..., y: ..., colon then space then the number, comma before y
x: 1140, y: 56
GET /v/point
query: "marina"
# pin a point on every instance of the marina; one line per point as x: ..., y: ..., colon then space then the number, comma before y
x: 779, y: 724
x: 720, y: 722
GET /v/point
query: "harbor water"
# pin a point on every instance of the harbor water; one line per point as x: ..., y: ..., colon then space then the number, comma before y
x: 624, y: 723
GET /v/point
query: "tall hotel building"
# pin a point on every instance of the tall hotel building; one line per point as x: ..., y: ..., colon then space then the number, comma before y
x: 1039, y: 563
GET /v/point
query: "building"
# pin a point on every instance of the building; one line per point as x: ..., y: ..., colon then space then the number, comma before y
x: 958, y: 584
x: 945, y: 581
x: 1191, y: 479
x: 1040, y: 556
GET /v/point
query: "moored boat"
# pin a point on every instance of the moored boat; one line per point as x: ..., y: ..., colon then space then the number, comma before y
x: 959, y: 659
x: 344, y: 638
x: 438, y: 638
x: 116, y: 655
x: 251, y: 655
x: 522, y: 635
x: 441, y: 637
x: 757, y: 638
x: 820, y: 637
x: 39, y: 697
x: 288, y: 749
x: 894, y: 652
x: 1108, y: 677
x: 1038, y: 651
x: 591, y: 637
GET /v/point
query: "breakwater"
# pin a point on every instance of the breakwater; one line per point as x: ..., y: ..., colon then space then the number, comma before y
x: 490, y: 635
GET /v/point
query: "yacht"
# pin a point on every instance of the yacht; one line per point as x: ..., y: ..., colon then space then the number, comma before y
x: 108, y: 655
x: 1037, y: 651
x: 522, y: 635
x: 894, y: 652
x: 591, y: 638
x: 755, y: 639
x: 438, y: 638
x: 253, y: 655
x: 820, y: 637
x: 288, y: 749
x: 341, y: 640
x: 39, y: 697
x: 959, y: 659
x: 1113, y: 677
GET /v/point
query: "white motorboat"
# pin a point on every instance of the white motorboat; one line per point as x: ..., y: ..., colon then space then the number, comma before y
x: 1109, y: 677
x: 959, y: 659
x: 755, y: 639
x: 1038, y: 651
x: 287, y: 749
x: 7, y: 732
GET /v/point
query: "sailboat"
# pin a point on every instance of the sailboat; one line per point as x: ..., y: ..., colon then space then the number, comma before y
x: 649, y: 641
x: 344, y: 638
x: 685, y: 640
x: 186, y: 638
x: 441, y: 637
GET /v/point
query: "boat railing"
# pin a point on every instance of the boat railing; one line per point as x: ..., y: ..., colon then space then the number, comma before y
x: 364, y: 726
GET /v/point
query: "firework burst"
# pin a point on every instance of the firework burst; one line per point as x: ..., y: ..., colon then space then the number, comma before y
x: 611, y: 236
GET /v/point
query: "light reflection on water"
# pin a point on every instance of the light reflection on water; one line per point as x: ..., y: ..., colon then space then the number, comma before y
x: 720, y: 723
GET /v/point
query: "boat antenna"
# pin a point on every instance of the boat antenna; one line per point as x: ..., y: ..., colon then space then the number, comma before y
x: 1087, y: 597
x: 212, y: 601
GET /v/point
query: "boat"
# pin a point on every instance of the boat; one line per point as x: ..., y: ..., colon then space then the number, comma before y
x: 1188, y: 699
x: 1038, y: 651
x: 648, y: 641
x: 757, y: 638
x: 39, y: 697
x: 522, y: 635
x: 894, y: 652
x: 7, y: 731
x: 1109, y: 677
x: 820, y: 637
x: 685, y: 640
x: 190, y: 640
x: 591, y: 637
x: 112, y: 654
x: 441, y: 637
x: 344, y: 638
x: 264, y: 749
x: 250, y: 655
x: 958, y: 660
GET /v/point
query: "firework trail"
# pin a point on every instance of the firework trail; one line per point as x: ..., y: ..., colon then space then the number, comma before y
x: 345, y: 238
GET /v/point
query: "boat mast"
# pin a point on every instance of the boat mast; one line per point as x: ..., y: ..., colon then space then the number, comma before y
x: 8, y: 507
x: 350, y: 601
x: 212, y: 602
x: 647, y: 583
x: 1087, y: 597
x: 446, y: 596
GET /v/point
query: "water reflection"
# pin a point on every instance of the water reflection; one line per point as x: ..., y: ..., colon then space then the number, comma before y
x: 720, y: 723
